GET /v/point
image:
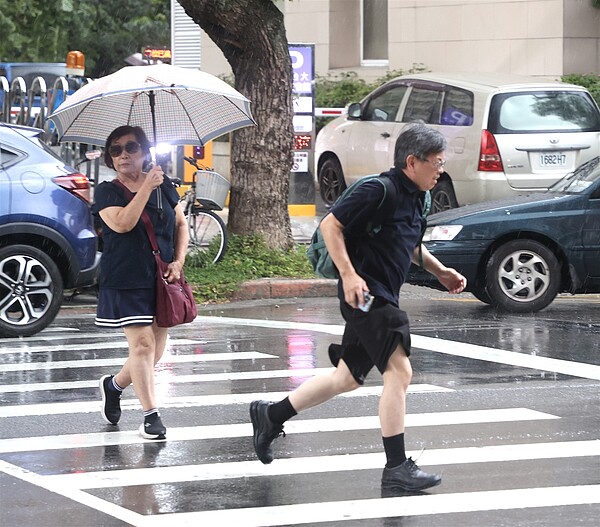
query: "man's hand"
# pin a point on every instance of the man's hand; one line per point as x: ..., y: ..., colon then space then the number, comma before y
x: 354, y: 289
x: 452, y: 280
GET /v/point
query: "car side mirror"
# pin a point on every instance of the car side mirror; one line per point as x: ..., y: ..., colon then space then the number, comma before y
x: 354, y: 111
x: 90, y: 155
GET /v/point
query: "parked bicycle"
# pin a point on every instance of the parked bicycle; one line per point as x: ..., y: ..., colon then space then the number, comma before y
x: 208, y: 233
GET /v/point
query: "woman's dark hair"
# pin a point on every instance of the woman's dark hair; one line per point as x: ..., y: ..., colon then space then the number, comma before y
x: 117, y: 133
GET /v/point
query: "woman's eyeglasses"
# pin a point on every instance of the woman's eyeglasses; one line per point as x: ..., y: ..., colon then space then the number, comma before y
x: 131, y: 147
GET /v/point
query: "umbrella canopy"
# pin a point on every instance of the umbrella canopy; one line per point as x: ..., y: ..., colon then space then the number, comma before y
x: 172, y: 105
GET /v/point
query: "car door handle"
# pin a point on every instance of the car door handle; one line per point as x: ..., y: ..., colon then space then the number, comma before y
x: 385, y: 135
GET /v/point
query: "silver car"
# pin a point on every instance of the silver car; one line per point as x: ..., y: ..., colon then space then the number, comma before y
x: 506, y: 134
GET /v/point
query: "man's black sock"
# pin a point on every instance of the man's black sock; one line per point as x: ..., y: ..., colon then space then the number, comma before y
x: 280, y: 412
x: 394, y: 450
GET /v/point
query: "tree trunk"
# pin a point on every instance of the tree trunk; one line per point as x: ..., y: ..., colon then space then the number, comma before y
x: 251, y: 34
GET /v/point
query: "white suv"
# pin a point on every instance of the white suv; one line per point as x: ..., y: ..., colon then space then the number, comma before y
x: 506, y: 134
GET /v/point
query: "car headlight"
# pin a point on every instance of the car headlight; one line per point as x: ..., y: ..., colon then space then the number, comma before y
x: 441, y: 232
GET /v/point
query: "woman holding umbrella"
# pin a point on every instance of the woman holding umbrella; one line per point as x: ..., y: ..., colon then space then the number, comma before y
x: 128, y: 268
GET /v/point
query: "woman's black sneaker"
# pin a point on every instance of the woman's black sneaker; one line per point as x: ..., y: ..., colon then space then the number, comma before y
x: 152, y: 427
x: 111, y: 401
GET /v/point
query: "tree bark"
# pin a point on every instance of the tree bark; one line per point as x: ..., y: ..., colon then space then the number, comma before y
x: 251, y: 35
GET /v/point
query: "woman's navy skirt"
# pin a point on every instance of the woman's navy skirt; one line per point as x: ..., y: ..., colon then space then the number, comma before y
x: 125, y: 307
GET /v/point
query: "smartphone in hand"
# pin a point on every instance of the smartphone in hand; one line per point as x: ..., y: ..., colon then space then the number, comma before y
x: 367, y: 302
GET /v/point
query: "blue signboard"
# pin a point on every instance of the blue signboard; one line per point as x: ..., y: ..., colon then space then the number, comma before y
x: 302, y: 69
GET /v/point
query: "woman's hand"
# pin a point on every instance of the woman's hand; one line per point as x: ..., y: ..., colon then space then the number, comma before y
x: 173, y: 272
x: 154, y: 178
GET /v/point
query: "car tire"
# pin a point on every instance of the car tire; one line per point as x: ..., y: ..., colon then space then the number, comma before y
x: 331, y: 181
x: 481, y: 294
x: 443, y: 197
x: 27, y: 305
x: 522, y: 276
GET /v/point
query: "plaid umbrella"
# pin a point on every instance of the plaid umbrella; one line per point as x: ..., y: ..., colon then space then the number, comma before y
x: 172, y: 105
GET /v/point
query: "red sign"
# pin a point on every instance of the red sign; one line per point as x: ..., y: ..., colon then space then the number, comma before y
x: 302, y: 142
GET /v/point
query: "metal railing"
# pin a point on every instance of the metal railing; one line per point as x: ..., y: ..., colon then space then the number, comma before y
x: 32, y: 107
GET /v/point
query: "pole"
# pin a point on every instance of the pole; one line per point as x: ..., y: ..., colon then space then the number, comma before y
x: 152, y: 96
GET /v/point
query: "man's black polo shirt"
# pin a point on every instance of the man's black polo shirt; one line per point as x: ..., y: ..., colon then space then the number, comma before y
x: 382, y: 260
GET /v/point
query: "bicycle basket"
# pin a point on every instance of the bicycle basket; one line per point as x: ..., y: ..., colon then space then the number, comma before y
x: 212, y: 187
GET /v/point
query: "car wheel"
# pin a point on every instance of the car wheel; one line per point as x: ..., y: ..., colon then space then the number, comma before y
x: 522, y: 276
x: 443, y: 197
x: 31, y: 290
x: 331, y: 181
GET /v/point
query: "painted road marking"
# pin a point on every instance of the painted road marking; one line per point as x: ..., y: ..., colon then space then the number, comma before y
x: 303, y: 513
x: 167, y: 359
x: 321, y: 464
x: 42, y: 337
x: 300, y: 426
x: 90, y: 346
x: 460, y: 349
x: 75, y: 407
x: 171, y: 379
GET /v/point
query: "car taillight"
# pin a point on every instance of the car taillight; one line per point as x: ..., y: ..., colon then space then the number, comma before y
x: 76, y: 184
x: 489, y: 159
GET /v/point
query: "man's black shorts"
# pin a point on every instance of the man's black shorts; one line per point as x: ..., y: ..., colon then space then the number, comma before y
x: 371, y: 338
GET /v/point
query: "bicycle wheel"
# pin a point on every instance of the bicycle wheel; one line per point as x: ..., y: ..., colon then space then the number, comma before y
x: 208, y: 237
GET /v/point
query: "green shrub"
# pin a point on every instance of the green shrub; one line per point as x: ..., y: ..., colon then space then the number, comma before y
x: 246, y: 258
x: 590, y: 81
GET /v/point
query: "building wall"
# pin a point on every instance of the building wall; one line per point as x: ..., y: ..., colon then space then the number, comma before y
x: 581, y: 37
x: 545, y: 38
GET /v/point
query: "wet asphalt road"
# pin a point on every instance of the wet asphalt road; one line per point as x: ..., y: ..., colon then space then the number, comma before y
x: 506, y: 408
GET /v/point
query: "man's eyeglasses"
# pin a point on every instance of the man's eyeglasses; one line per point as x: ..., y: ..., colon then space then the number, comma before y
x: 436, y: 164
x: 131, y: 147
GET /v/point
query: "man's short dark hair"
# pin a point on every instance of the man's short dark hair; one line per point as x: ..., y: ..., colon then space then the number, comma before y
x: 120, y: 132
x: 419, y: 140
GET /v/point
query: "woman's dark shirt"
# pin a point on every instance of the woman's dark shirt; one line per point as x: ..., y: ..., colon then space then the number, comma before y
x: 127, y: 261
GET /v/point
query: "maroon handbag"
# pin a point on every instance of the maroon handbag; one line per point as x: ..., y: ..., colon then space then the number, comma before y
x: 175, y: 302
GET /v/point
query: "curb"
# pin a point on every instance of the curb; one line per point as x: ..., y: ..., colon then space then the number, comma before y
x: 263, y: 288
x: 285, y: 288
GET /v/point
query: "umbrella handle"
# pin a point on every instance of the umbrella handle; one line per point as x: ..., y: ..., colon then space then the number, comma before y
x: 153, y: 152
x: 159, y: 204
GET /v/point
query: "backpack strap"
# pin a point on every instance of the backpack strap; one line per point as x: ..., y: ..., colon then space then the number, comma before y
x: 426, y: 209
x: 427, y: 203
x: 386, y: 207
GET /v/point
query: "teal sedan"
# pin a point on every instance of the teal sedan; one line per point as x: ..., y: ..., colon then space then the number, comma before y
x: 519, y: 253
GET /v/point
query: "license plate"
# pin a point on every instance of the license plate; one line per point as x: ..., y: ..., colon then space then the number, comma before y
x: 555, y: 159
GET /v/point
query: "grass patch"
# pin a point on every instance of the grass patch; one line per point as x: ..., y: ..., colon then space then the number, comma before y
x: 246, y: 258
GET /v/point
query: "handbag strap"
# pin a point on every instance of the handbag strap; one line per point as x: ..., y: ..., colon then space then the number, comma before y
x: 145, y: 218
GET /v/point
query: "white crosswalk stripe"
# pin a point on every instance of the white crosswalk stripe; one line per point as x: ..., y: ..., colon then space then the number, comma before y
x: 303, y: 426
x: 248, y: 375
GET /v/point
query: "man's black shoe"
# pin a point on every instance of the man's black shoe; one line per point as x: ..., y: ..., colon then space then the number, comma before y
x: 265, y: 431
x: 111, y: 401
x: 408, y: 476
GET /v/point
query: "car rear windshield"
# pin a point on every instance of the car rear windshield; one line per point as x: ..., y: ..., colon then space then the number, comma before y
x: 535, y: 112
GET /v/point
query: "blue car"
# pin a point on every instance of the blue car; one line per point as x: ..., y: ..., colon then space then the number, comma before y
x: 47, y: 238
x: 519, y: 253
